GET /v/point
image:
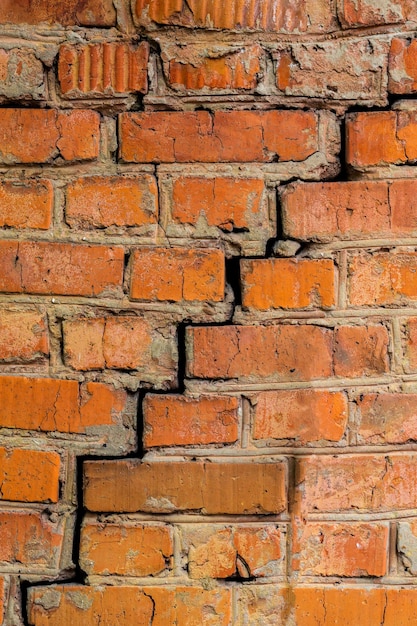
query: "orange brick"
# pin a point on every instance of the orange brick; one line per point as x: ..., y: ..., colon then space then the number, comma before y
x: 60, y: 268
x: 72, y: 12
x: 386, y: 418
x: 41, y: 136
x: 403, y: 201
x: 30, y: 538
x: 342, y: 549
x: 58, y: 405
x: 125, y: 549
x: 394, y: 138
x: 26, y: 204
x: 103, y: 69
x: 288, y: 283
x: 177, y: 274
x: 402, y: 66
x: 369, y: 13
x: 302, y: 415
x: 166, y: 487
x: 224, y: 136
x: 103, y: 201
x: 179, y: 420
x: 29, y: 475
x: 361, y: 351
x: 63, y: 605
x: 259, y: 352
x: 357, y: 483
x: 382, y: 278
x: 411, y: 345
x: 23, y: 336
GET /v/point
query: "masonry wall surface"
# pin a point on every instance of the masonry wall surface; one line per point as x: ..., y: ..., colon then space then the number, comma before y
x: 208, y: 312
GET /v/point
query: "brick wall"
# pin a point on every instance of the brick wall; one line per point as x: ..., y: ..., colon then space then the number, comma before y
x: 208, y: 312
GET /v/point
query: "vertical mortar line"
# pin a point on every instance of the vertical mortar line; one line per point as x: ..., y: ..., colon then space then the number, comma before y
x: 351, y: 425
x: 392, y: 549
x: 176, y: 538
x: 245, y: 421
x: 397, y: 348
x: 342, y: 279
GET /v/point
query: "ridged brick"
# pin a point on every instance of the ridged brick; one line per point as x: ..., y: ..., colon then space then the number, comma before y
x: 105, y: 201
x: 386, y: 418
x: 23, y: 336
x: 103, y: 69
x: 288, y: 283
x: 175, y: 274
x: 60, y: 268
x: 29, y: 475
x: 42, y: 136
x: 179, y: 420
x: 361, y: 350
x: 224, y: 136
x: 64, y: 406
x: 403, y: 66
x: 26, y: 204
x: 21, y: 75
x: 301, y: 415
x: 125, y: 548
x: 72, y: 12
x: 166, y: 487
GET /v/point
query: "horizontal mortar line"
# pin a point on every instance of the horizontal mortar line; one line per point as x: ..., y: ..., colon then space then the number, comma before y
x: 100, y: 237
x: 167, y: 581
x: 61, y: 508
x: 256, y: 317
x: 267, y: 101
x: 28, y: 570
x: 131, y: 519
x: 200, y: 518
x: 359, y: 243
x: 363, y: 516
x: 62, y: 176
x: 387, y: 580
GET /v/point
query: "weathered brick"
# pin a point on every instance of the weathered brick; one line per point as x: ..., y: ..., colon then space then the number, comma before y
x: 394, y: 138
x: 179, y: 420
x: 263, y: 15
x: 361, y: 351
x: 26, y: 204
x: 75, y: 604
x: 259, y: 352
x: 386, y: 418
x: 410, y: 360
x: 341, y: 549
x: 403, y: 66
x: 165, y: 487
x: 177, y: 274
x: 105, y: 201
x: 262, y: 605
x: 103, y: 69
x: 223, y: 136
x: 72, y: 12
x: 302, y: 415
x: 125, y: 548
x: 21, y: 75
x: 357, y: 483
x: 29, y: 475
x: 60, y: 268
x: 407, y: 545
x: 354, y: 13
x: 41, y: 136
x: 288, y: 283
x: 64, y: 406
x: 23, y: 336
x: 382, y: 278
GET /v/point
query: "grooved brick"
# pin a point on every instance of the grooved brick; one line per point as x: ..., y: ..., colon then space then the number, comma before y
x: 29, y: 475
x: 361, y: 350
x: 21, y: 75
x: 403, y: 66
x: 23, y: 336
x: 60, y: 268
x: 181, y: 274
x: 165, y: 487
x: 386, y: 418
x: 288, y: 283
x: 41, y: 136
x: 223, y: 136
x: 302, y: 415
x: 101, y: 201
x: 70, y: 12
x: 179, y: 420
x: 26, y: 204
x: 65, y: 406
x: 103, y: 69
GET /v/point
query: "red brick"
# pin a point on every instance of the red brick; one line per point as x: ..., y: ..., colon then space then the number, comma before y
x: 23, y: 336
x: 30, y: 538
x: 403, y: 201
x: 86, y: 13
x: 341, y: 549
x: 103, y: 201
x: 21, y: 74
x: 361, y: 351
x: 58, y: 405
x: 41, y: 136
x: 179, y: 420
x: 26, y: 204
x: 165, y: 487
x: 264, y: 15
x: 386, y: 418
x: 288, y: 283
x: 177, y: 274
x: 411, y: 345
x: 356, y: 13
x: 103, y: 69
x: 125, y: 549
x: 29, y: 475
x: 60, y: 268
x: 394, y: 138
x: 259, y: 352
x: 382, y: 278
x: 403, y: 66
x: 63, y: 605
x: 302, y: 415
x: 357, y: 483
x: 224, y: 136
